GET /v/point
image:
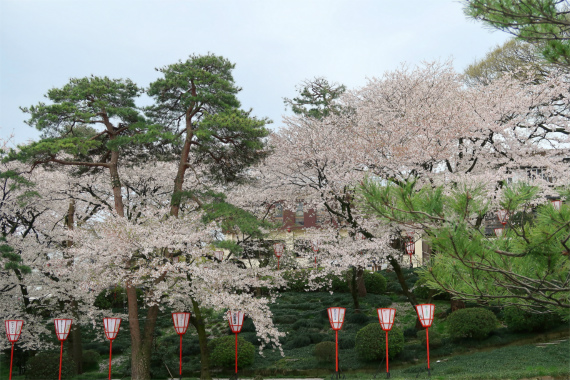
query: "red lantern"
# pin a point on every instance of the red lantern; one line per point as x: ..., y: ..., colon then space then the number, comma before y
x: 181, y: 325
x: 315, y: 246
x: 410, y: 247
x: 62, y: 328
x: 278, y: 248
x: 557, y: 204
x: 219, y: 255
x: 111, y: 326
x: 503, y: 216
x: 425, y: 314
x: 235, y: 318
x: 386, y: 319
x: 499, y: 232
x: 13, y: 331
x: 336, y: 319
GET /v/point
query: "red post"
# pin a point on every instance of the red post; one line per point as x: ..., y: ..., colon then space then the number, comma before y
x: 387, y: 369
x: 336, y: 346
x: 278, y: 263
x: 110, y: 356
x: 427, y: 339
x: 11, y: 359
x: 315, y: 262
x: 180, y: 355
x: 60, y: 355
x: 236, y: 352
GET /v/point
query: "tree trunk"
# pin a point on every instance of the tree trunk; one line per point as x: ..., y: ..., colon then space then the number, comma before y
x: 75, y: 344
x: 411, y: 297
x: 361, y: 286
x: 352, y: 284
x: 456, y: 305
x: 198, y: 322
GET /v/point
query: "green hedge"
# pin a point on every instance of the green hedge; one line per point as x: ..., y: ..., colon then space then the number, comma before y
x: 91, y: 360
x: 45, y: 366
x: 520, y: 320
x: 474, y: 323
x: 325, y: 352
x: 371, y: 342
x: 375, y: 283
x: 222, y: 352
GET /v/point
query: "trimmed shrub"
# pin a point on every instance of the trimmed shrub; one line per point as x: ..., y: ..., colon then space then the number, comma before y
x: 298, y: 341
x: 296, y: 280
x: 371, y: 342
x: 375, y: 283
x: 285, y: 319
x: 474, y: 323
x: 223, y: 352
x: 325, y: 352
x: 346, y: 341
x: 521, y: 320
x: 45, y: 366
x: 91, y: 360
x: 435, y: 338
x: 358, y: 319
x: 339, y: 284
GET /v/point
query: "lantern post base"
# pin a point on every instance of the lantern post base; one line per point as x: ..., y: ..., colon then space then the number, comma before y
x: 387, y: 375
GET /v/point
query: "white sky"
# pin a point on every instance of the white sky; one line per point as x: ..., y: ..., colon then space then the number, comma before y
x: 276, y: 44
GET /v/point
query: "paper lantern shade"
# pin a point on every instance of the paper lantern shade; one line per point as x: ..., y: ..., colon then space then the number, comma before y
x: 386, y: 318
x: 336, y: 317
x: 425, y: 314
x: 13, y: 329
x: 219, y: 255
x: 62, y: 327
x: 410, y: 246
x: 499, y: 231
x: 278, y: 248
x: 503, y: 216
x: 235, y: 318
x: 111, y: 326
x: 557, y: 204
x: 181, y: 322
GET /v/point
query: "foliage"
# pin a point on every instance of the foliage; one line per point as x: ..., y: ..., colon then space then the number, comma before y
x: 13, y: 260
x: 375, y: 283
x: 325, y: 351
x: 223, y: 352
x: 45, y: 366
x: 316, y: 98
x: 534, y: 21
x: 471, y: 265
x: 517, y: 319
x: 371, y: 342
x: 91, y: 360
x: 474, y: 323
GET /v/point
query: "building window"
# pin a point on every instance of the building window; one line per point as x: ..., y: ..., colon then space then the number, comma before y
x: 299, y: 215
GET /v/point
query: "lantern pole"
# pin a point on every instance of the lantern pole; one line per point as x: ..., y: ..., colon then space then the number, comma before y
x: 387, y: 368
x: 60, y: 355
x: 336, y: 347
x: 110, y: 356
x: 11, y: 360
x: 180, y: 366
x: 427, y: 342
x: 236, y: 334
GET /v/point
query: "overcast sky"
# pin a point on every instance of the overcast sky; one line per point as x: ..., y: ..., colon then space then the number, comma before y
x: 276, y: 44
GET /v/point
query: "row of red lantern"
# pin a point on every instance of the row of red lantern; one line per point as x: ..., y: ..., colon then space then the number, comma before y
x: 386, y: 317
x: 181, y: 320
x: 62, y: 329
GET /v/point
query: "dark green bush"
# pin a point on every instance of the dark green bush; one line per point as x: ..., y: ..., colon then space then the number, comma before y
x: 410, y: 332
x: 375, y: 283
x: 474, y: 323
x: 358, y: 319
x: 435, y: 338
x: 251, y: 337
x: 285, y: 319
x: 45, y: 366
x: 296, y: 280
x: 248, y: 325
x: 339, y: 284
x: 325, y: 352
x: 91, y: 360
x: 223, y: 353
x: 297, y: 341
x: 371, y: 342
x: 521, y: 320
x: 346, y: 341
